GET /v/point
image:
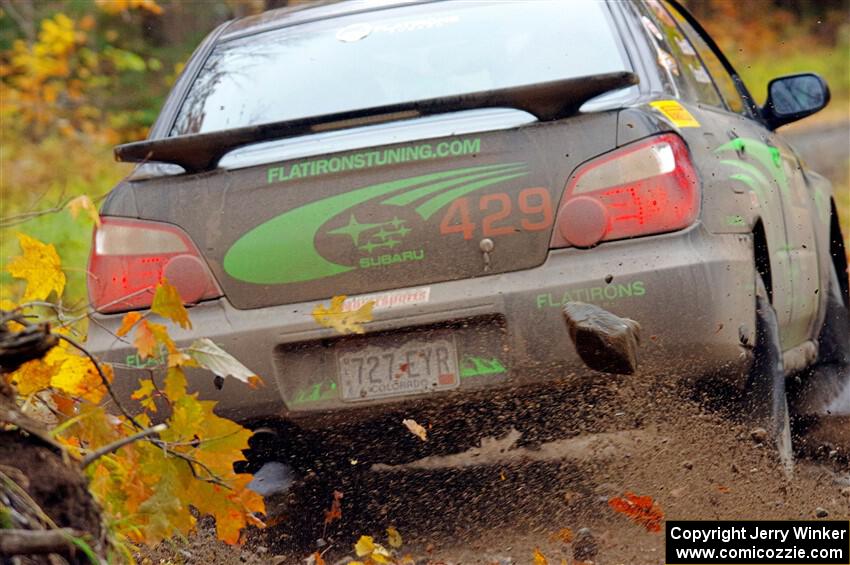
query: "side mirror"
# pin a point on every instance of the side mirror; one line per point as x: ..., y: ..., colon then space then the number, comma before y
x: 794, y: 97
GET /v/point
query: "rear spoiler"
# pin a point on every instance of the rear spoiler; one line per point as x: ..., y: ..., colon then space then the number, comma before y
x: 547, y: 101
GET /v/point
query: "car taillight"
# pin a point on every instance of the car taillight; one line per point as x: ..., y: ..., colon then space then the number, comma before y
x: 644, y: 188
x: 129, y: 257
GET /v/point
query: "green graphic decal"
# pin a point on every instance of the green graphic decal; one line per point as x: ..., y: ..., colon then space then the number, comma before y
x: 479, y: 367
x: 766, y: 156
x: 369, y: 159
x: 315, y: 393
x: 592, y: 294
x: 413, y: 195
x: 283, y: 249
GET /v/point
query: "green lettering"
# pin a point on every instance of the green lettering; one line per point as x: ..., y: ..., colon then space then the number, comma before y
x: 596, y: 293
x: 638, y: 288
x: 274, y: 173
x: 471, y: 146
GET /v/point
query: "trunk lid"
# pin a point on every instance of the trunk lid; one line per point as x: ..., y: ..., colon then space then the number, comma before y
x: 379, y: 218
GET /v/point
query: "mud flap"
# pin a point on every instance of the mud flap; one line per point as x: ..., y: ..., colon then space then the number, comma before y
x: 604, y: 341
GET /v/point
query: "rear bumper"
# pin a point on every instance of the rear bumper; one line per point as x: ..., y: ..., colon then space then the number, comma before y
x: 691, y: 291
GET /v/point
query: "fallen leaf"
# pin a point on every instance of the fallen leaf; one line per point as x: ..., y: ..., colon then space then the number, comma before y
x: 374, y: 552
x: 168, y: 304
x: 641, y: 509
x: 539, y: 558
x: 40, y: 267
x: 364, y: 546
x: 415, y: 429
x: 335, y: 512
x: 83, y: 203
x: 724, y: 489
x: 210, y: 356
x: 564, y: 535
x: 334, y: 317
x: 317, y: 558
x: 394, y: 538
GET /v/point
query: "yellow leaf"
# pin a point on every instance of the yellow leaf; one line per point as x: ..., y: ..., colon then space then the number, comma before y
x: 539, y: 558
x: 127, y: 323
x: 144, y: 394
x: 364, y: 546
x: 40, y: 267
x: 175, y: 384
x: 334, y: 316
x: 32, y: 376
x: 393, y: 537
x: 416, y: 429
x: 78, y: 376
x: 168, y: 304
x: 180, y: 359
x: 83, y: 203
x: 160, y: 332
x: 145, y: 341
x: 317, y: 558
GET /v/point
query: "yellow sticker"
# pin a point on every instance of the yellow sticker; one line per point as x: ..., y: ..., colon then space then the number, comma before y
x: 676, y: 113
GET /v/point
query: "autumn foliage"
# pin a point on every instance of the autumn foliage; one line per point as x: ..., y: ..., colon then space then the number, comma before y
x: 149, y: 487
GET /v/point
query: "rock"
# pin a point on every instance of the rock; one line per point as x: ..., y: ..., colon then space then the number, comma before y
x: 735, y: 468
x: 821, y: 512
x: 604, y: 341
x: 585, y: 546
x: 758, y: 435
x: 845, y: 492
x: 678, y: 492
x: 687, y: 465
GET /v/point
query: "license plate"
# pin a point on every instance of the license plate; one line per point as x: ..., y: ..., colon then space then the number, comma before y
x: 417, y: 367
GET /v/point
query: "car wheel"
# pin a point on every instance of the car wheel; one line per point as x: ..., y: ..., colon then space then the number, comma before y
x: 834, y: 340
x: 824, y: 388
x: 767, y: 400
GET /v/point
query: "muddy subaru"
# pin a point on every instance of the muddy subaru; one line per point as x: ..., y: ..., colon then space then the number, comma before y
x: 529, y: 192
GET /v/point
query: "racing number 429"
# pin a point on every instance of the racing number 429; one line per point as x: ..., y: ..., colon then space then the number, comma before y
x: 534, y: 203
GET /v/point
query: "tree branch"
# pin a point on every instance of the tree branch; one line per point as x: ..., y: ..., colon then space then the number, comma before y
x: 116, y: 445
x: 103, y: 379
x: 37, y: 542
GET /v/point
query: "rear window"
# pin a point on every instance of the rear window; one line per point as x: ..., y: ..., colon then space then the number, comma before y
x: 397, y: 55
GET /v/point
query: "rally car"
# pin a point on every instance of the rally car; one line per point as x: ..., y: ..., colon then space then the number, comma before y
x: 471, y: 169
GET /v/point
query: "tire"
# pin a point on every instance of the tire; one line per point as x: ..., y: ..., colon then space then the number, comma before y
x: 824, y: 388
x: 766, y: 396
x: 834, y: 340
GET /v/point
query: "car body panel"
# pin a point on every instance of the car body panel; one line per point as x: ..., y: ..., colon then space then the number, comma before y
x: 526, y: 320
